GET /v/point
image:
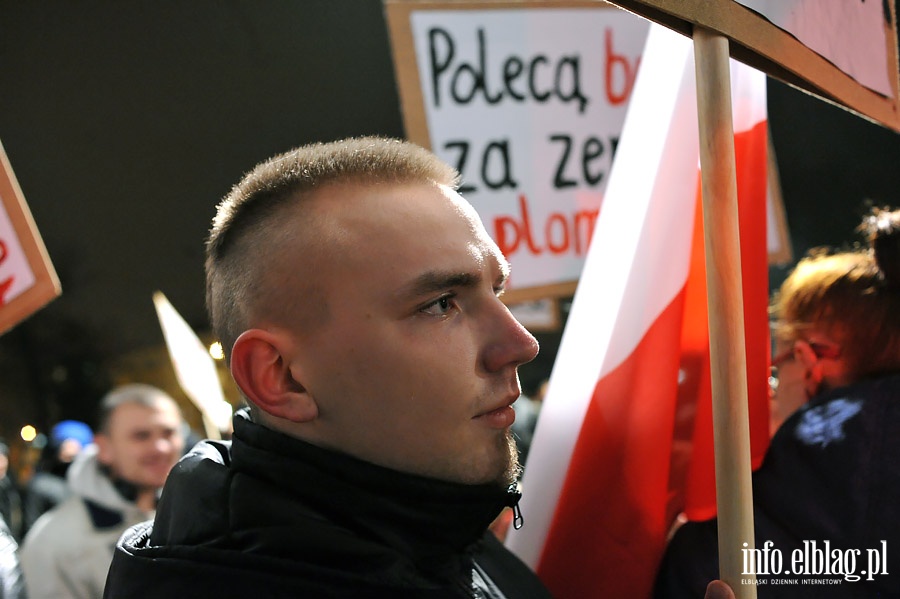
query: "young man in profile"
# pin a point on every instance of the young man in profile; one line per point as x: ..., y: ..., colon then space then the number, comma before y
x: 359, y: 298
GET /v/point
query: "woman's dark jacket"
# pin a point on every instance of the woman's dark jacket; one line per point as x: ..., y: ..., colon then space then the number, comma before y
x: 832, y: 473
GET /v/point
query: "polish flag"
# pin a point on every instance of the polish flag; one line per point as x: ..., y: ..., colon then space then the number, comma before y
x: 624, y: 440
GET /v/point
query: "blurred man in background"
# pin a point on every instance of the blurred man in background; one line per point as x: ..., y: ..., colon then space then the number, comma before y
x: 115, y: 483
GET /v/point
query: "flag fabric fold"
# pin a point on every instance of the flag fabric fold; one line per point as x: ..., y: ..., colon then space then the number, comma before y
x: 194, y: 367
x: 624, y: 438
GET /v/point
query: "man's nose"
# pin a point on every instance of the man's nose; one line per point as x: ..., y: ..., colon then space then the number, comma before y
x: 511, y: 344
x: 163, y: 445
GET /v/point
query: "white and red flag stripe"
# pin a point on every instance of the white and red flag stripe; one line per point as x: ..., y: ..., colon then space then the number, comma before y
x: 624, y: 437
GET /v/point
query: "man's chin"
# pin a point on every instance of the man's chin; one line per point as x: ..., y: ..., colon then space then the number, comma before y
x: 150, y: 483
x: 498, y: 464
x: 506, y: 469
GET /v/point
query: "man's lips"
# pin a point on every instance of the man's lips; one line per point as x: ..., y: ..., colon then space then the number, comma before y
x: 500, y: 417
x: 162, y: 464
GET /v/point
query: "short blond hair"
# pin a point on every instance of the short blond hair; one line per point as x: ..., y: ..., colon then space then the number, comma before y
x: 140, y: 394
x: 245, y: 233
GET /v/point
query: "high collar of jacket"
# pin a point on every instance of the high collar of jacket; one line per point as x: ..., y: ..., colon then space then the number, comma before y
x: 427, y: 520
x: 874, y: 387
x: 90, y: 480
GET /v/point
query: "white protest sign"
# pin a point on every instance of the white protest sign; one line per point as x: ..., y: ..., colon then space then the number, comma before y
x: 528, y: 101
x: 528, y: 105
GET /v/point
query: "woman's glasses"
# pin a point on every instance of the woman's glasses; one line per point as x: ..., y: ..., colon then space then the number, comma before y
x: 823, y: 351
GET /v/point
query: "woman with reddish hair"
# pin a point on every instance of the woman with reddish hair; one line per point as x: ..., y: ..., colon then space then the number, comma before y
x: 829, y: 487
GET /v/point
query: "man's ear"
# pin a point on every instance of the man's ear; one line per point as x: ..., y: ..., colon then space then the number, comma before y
x: 261, y: 368
x: 812, y: 367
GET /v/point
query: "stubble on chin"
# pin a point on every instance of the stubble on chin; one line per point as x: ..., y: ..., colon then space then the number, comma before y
x: 513, y: 468
x: 498, y: 465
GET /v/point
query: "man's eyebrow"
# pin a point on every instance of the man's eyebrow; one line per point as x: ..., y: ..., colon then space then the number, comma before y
x: 432, y: 281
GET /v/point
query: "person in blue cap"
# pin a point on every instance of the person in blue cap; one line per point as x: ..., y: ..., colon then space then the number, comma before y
x: 48, y: 486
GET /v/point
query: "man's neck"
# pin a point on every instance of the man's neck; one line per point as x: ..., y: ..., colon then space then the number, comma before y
x: 146, y: 500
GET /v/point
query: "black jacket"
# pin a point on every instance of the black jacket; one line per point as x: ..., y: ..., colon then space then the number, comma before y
x: 271, y: 516
x: 832, y: 473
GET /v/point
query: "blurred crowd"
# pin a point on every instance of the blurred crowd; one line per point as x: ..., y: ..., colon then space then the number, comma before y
x: 59, y: 527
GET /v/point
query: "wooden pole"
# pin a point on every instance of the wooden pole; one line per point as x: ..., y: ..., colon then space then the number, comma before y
x: 210, y: 428
x: 731, y: 430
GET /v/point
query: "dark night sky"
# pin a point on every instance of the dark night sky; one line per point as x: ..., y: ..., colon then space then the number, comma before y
x: 125, y: 123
